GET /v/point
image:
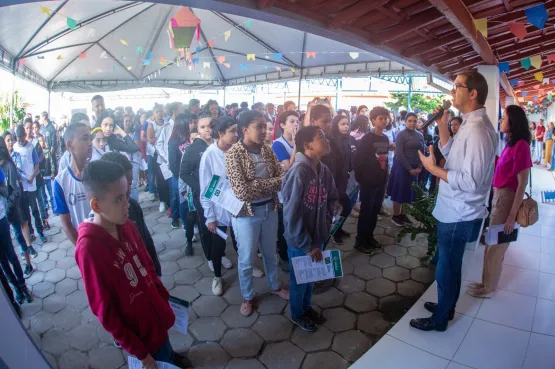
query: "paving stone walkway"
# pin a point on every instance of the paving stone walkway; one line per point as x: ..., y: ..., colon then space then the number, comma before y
x: 360, y: 308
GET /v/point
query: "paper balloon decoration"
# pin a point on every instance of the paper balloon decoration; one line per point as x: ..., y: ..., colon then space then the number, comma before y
x: 182, y: 28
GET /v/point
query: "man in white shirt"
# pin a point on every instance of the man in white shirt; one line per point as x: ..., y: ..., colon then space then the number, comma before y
x: 465, y: 182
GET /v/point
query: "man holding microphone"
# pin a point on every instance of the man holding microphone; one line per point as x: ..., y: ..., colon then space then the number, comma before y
x: 465, y: 182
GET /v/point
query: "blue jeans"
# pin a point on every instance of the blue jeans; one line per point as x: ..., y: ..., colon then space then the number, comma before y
x: 41, y: 202
x: 151, y: 173
x: 47, y: 187
x: 19, y: 236
x: 174, y: 199
x: 253, y: 233
x: 8, y: 256
x: 553, y: 161
x: 300, y: 295
x: 164, y: 353
x: 451, y: 240
x: 135, y: 183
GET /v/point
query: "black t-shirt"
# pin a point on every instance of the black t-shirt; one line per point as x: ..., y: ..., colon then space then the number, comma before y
x: 371, y: 164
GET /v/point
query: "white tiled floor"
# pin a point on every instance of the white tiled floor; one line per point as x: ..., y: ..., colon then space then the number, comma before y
x: 515, y: 328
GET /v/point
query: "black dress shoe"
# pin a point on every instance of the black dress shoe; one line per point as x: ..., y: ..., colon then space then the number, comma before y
x: 432, y: 306
x: 426, y: 324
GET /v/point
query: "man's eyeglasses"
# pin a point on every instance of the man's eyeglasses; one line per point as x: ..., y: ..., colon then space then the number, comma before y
x: 456, y: 86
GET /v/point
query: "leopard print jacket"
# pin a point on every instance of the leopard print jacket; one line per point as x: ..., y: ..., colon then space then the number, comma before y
x: 240, y: 170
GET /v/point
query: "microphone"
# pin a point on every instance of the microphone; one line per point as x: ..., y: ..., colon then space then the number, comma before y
x: 446, y: 105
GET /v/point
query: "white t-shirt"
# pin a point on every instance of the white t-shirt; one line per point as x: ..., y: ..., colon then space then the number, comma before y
x: 26, y: 166
x: 150, y: 150
x: 70, y: 197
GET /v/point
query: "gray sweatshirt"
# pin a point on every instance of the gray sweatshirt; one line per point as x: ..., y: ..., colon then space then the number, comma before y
x: 308, y: 195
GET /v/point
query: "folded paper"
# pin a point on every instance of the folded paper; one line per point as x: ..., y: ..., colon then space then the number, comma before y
x: 129, y: 67
x: 538, y: 76
x: 71, y: 23
x: 278, y: 56
x: 311, y: 54
x: 138, y: 49
x: 227, y: 65
x: 211, y: 44
x: 278, y: 69
x: 45, y: 10
x: 182, y: 28
x: 22, y: 62
x: 353, y: 55
x: 526, y: 63
x: 59, y: 57
x: 504, y: 67
x: 220, y: 59
x: 227, y: 35
x: 248, y: 24
x: 206, y: 65
x: 243, y: 67
x: 91, y: 33
x: 83, y: 55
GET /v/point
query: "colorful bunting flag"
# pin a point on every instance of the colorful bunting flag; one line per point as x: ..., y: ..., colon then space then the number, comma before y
x: 243, y: 67
x: 481, y: 26
x: 197, y: 49
x: 45, y: 10
x: 353, y: 55
x: 550, y: 58
x: 514, y: 82
x: 526, y: 63
x: 227, y: 35
x: 148, y: 54
x: 211, y: 44
x: 123, y: 42
x: 504, y: 67
x: 138, y: 49
x: 99, y: 70
x: 22, y: 62
x: 538, y: 76
x: 220, y: 59
x: 206, y: 65
x: 71, y: 23
x: 278, y: 56
x: 524, y: 93
x: 59, y: 57
x: 88, y: 73
x: 251, y: 57
x: 248, y: 24
x: 518, y: 29
x: 536, y: 61
x: 521, y: 83
x: 195, y: 60
x: 82, y: 55
x: 537, y: 15
x: 227, y: 65
x: 164, y: 63
x: 278, y: 69
x: 545, y: 81
x: 311, y: 54
x: 182, y: 28
x: 162, y: 58
x: 129, y: 67
x: 40, y: 57
x: 293, y: 70
x: 114, y: 67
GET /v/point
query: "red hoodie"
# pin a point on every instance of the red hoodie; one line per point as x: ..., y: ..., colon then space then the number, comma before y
x: 123, y: 289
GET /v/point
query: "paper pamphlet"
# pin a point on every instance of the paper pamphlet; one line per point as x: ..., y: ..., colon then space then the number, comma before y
x: 496, y: 235
x: 307, y: 271
x: 190, y: 202
x: 219, y: 191
x: 221, y: 233
x: 181, y: 310
x: 134, y: 363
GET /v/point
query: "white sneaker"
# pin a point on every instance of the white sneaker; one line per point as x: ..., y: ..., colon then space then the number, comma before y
x: 257, y: 273
x: 226, y: 263
x: 210, y: 265
x: 194, y: 239
x: 259, y: 254
x: 151, y: 196
x: 218, y: 286
x: 195, y: 231
x: 162, y: 207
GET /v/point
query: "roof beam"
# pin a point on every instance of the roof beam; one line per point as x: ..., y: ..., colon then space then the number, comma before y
x: 58, y: 48
x: 412, y: 24
x: 442, y: 58
x: 52, y: 14
x: 211, y: 52
x: 263, y: 4
x: 425, y: 47
x: 457, y: 13
x: 351, y: 13
x: 117, y: 61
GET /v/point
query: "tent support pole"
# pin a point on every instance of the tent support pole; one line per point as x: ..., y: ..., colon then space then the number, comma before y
x: 301, y: 72
x: 224, y: 97
x: 49, y: 103
x: 12, y: 101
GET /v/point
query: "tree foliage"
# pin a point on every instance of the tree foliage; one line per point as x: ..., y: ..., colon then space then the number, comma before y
x: 19, y: 108
x: 417, y: 101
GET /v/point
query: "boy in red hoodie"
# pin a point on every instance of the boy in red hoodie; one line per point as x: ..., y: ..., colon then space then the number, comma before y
x: 120, y: 280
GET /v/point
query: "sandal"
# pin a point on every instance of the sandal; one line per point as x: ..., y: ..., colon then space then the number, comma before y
x: 246, y: 308
x: 283, y: 293
x: 474, y: 285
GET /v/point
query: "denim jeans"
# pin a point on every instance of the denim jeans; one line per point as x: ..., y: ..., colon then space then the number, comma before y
x: 150, y: 173
x: 19, y: 236
x: 32, y: 200
x: 174, y: 199
x: 253, y: 233
x: 41, y: 202
x: 47, y: 188
x: 451, y: 240
x: 300, y: 295
x: 371, y: 200
x: 164, y: 353
x: 8, y: 256
x: 539, y: 151
x: 135, y: 183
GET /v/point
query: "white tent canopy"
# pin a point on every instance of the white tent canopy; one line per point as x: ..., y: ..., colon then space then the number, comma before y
x: 107, y: 48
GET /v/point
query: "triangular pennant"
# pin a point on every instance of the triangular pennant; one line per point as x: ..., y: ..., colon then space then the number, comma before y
x: 104, y: 55
x: 536, y: 61
x: 114, y: 67
x: 521, y: 83
x: 122, y: 57
x: 40, y: 57
x: 59, y: 57
x: 526, y: 63
x: 91, y: 33
x: 538, y: 76
x: 265, y: 67
x: 206, y: 65
x: 504, y: 67
x: 251, y: 57
x: 481, y: 26
x: 211, y: 44
x: 243, y: 67
x: 550, y: 58
x: 123, y: 42
x: 22, y: 62
x: 162, y: 58
x: 293, y: 70
x: 248, y: 24
x: 88, y: 73
x: 220, y: 59
x: 524, y: 93
x: 278, y: 69
x: 311, y: 54
x: 138, y: 49
x: 173, y: 23
x: 353, y: 55
x: 278, y: 56
x: 197, y: 50
x: 514, y: 82
x: 71, y: 23
x: 537, y: 15
x: 545, y: 81
x: 164, y: 63
x: 518, y: 29
x: 45, y: 10
x: 195, y: 60
x: 129, y: 67
x: 227, y: 65
x: 83, y: 55
x: 227, y: 35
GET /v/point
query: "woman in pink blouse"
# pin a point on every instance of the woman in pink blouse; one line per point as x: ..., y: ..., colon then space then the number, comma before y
x: 509, y: 184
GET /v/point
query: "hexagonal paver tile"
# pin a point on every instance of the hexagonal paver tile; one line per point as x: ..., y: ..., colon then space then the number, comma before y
x: 187, y: 293
x: 83, y: 337
x: 187, y: 276
x: 175, y: 244
x: 46, y: 265
x: 396, y: 273
x: 80, y: 285
x: 270, y: 304
x: 31, y: 309
x: 260, y: 285
x: 54, y: 303
x: 73, y: 272
x: 188, y: 262
x: 282, y: 355
x: 382, y: 260
x: 406, y: 241
x: 241, y: 342
x: 103, y: 336
x: 168, y: 281
x: 43, y: 289
x: 209, y: 306
x: 407, y: 261
x: 234, y: 319
x: 66, y: 262
x: 380, y: 287
x: 325, y: 360
x: 410, y: 288
x: 77, y: 300
x: 418, y: 251
x: 367, y: 272
x: 208, y: 329
x: 169, y: 267
x: 273, y: 327
x: 162, y: 228
x: 373, y: 323
x: 385, y: 240
x: 73, y: 359
x: 57, y: 255
x: 35, y: 278
x: 395, y: 250
x: 350, y: 284
x: 348, y: 268
x: 87, y: 317
x: 312, y: 341
x: 179, y: 341
x: 208, y: 355
x: 55, y: 275
x: 170, y: 255
x: 65, y: 244
x: 361, y: 302
x: 41, y: 322
x: 330, y: 298
x: 204, y: 286
x: 67, y: 319
x: 66, y: 286
x: 351, y: 345
x: 339, y: 319
x: 244, y: 364
x: 395, y: 306
x: 423, y: 275
x: 356, y: 258
x: 106, y: 357
x: 55, y: 342
x: 233, y: 294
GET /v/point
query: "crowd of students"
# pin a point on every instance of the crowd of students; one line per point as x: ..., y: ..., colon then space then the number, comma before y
x: 293, y: 172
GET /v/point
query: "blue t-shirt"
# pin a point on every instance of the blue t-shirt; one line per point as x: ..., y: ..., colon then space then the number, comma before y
x: 145, y: 126
x: 282, y: 149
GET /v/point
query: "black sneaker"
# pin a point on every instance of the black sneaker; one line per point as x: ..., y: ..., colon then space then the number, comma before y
x: 406, y: 220
x: 181, y: 361
x: 305, y: 324
x: 43, y: 238
x: 432, y: 306
x: 284, y: 264
x: 315, y: 316
x: 19, y: 298
x: 175, y: 223
x: 342, y: 234
x: 33, y: 237
x: 32, y: 252
x: 337, y: 240
x: 375, y: 244
x: 28, y: 270
x: 189, y: 249
x: 364, y: 248
x: 116, y: 343
x: 398, y: 220
x: 27, y: 294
